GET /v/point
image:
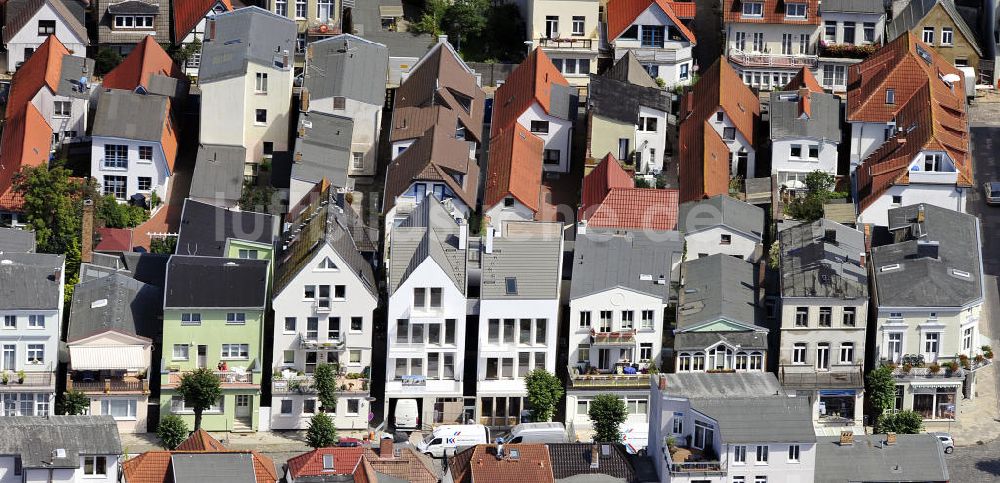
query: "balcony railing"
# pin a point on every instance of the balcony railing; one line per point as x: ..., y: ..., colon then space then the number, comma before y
x: 691, y: 461
x: 173, y: 378
x: 324, y: 304
x: 624, y: 337
x: 109, y: 385
x: 758, y: 59
x: 913, y: 367
x: 313, y: 343
x: 565, y: 43
x: 847, y: 51
x: 306, y: 384
x: 30, y: 379
x: 581, y: 381
x: 807, y: 377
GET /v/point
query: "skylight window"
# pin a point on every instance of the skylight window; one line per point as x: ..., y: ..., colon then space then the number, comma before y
x: 889, y: 268
x: 961, y: 274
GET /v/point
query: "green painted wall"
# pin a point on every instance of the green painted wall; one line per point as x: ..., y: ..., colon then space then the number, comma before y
x: 217, y: 422
x: 604, y: 135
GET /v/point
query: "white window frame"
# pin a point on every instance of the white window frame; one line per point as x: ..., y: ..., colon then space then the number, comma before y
x: 947, y: 36
x: 753, y: 9
x: 234, y: 352
x: 796, y: 11
x: 182, y: 355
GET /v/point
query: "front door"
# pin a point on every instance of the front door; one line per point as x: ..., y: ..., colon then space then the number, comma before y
x: 202, y: 356
x: 243, y: 405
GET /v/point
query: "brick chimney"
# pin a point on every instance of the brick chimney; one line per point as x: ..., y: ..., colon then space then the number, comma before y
x: 662, y: 384
x: 87, y: 232
x: 846, y: 438
x: 890, y: 438
x: 385, y: 448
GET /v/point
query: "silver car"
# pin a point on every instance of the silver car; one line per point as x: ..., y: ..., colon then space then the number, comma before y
x: 947, y: 442
x: 991, y: 192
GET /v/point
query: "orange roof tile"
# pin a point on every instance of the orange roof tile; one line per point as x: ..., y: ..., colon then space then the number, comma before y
x: 704, y: 164
x: 345, y: 460
x: 621, y: 14
x: 146, y: 59
x: 480, y: 464
x: 515, y: 167
x: 200, y: 440
x: 187, y: 14
x: 773, y: 12
x: 530, y: 82
x: 409, y: 465
x: 684, y: 10
x: 148, y: 467
x: 606, y: 176
x: 636, y: 208
x: 804, y: 80
x: 114, y: 240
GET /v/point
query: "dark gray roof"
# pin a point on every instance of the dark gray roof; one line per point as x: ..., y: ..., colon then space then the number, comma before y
x: 165, y: 85
x: 115, y: 302
x: 703, y: 340
x: 916, y: 10
x: 721, y: 385
x: 347, y: 66
x: 823, y: 121
x: 322, y: 148
x: 218, y: 173
x: 776, y: 419
x: 20, y: 12
x: 532, y: 260
x: 914, y: 457
x: 628, y: 69
x: 854, y: 6
x: 118, y: 115
x: 921, y: 279
x: 823, y: 259
x: 717, y: 287
x: 205, y: 229
x: 30, y: 281
x: 145, y: 267
x: 429, y: 232
x: 368, y: 24
x: 73, y: 69
x: 563, y: 101
x: 574, y: 459
x: 695, y: 216
x: 243, y: 36
x: 213, y: 467
x: 641, y: 261
x: 106, y: 10
x: 16, y: 240
x: 621, y: 100
x: 36, y: 438
x: 132, y: 7
x: 210, y: 282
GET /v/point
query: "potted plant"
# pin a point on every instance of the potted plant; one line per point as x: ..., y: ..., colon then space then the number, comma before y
x: 951, y: 366
x: 988, y: 352
x: 934, y: 368
x: 671, y: 443
x: 141, y: 375
x: 5, y: 378
x: 979, y: 359
x: 906, y: 368
x: 20, y: 376
x: 964, y: 361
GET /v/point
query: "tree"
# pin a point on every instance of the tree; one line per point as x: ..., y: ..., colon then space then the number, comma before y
x: 881, y: 393
x: 172, y: 431
x: 113, y: 214
x: 256, y: 197
x: 200, y: 389
x: 903, y: 422
x: 105, y: 60
x: 72, y: 403
x: 182, y: 53
x: 810, y: 208
x: 321, y: 433
x: 544, y: 392
x: 325, y: 382
x: 466, y: 19
x: 607, y: 413
x: 165, y: 245
x: 433, y: 16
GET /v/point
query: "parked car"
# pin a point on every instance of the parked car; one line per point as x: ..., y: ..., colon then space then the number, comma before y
x: 407, y: 415
x: 537, y: 433
x: 453, y: 438
x: 947, y: 442
x: 991, y: 192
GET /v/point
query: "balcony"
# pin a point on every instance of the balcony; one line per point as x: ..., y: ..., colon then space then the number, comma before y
x: 235, y: 377
x: 660, y: 55
x: 624, y: 337
x: 567, y: 43
x: 578, y: 380
x: 757, y: 59
x: 131, y: 384
x: 313, y: 343
x: 306, y: 384
x: 847, y: 51
x: 913, y: 367
x: 809, y: 378
x: 682, y: 461
x: 11, y: 381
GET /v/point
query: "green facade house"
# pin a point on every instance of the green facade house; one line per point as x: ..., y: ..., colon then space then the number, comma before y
x: 213, y: 316
x: 211, y: 231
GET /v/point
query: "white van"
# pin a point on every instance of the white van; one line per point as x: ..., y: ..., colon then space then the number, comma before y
x: 537, y: 433
x: 635, y: 438
x: 407, y: 415
x: 451, y: 438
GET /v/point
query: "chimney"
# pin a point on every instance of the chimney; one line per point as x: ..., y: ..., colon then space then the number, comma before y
x: 830, y: 235
x: 846, y: 438
x: 87, y: 232
x: 442, y: 38
x: 662, y: 383
x: 499, y: 448
x: 488, y: 241
x: 385, y: 448
x: 890, y: 439
x: 463, y: 234
x: 595, y: 456
x: 921, y: 216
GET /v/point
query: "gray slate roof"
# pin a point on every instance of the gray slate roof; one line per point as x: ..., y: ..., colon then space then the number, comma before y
x: 429, y: 232
x: 20, y: 12
x: 201, y: 233
x: 916, y: 10
x: 695, y: 216
x: 213, y: 467
x: 73, y: 69
x: 218, y: 173
x: 822, y: 123
x: 16, y: 240
x: 704, y: 340
x: 628, y: 69
x: 532, y: 260
x: 823, y: 259
x: 145, y: 267
x: 105, y: 19
x: 347, y: 66
x: 130, y: 306
x: 368, y: 24
x: 30, y: 281
x: 117, y: 115
x: 620, y: 100
x: 322, y: 148
x: 717, y: 287
x: 571, y: 460
x: 35, y: 439
x: 921, y: 280
x: 854, y: 6
x: 914, y: 457
x: 243, y: 36
x: 707, y: 385
x: 210, y: 282
x: 603, y: 260
x: 776, y: 419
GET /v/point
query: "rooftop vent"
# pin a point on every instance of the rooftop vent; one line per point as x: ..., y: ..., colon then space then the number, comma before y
x: 99, y: 303
x: 889, y: 268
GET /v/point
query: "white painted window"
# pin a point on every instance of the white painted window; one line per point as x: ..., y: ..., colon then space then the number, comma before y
x: 235, y: 351
x: 579, y: 25
x: 753, y: 9
x: 181, y: 352
x: 62, y: 108
x: 236, y: 318
x: 260, y: 84
x: 191, y: 318
x: 95, y: 465
x: 847, y: 353
x: 119, y: 408
x: 281, y: 8
x: 740, y: 455
x: 799, y: 353
x: 301, y: 8
x: 928, y: 35
x: 36, y: 354
x: 762, y: 451
x: 36, y: 321
x: 795, y: 10
x: 325, y: 10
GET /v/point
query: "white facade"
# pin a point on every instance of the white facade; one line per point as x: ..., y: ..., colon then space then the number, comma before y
x: 557, y: 135
x: 651, y: 139
x: 198, y: 34
x: 63, y: 475
x: 866, y: 137
x: 106, y: 159
x: 309, y: 331
x: 508, y: 209
x: 364, y: 138
x: 740, y: 148
x: 230, y: 109
x: 792, y: 168
x: 70, y: 126
x: 667, y: 58
x: 569, y: 33
x: 934, y: 187
x: 720, y: 239
x: 34, y: 33
x: 768, y: 55
x: 904, y: 330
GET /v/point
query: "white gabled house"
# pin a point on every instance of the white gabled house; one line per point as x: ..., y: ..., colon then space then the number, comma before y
x: 29, y: 23
x: 427, y: 282
x: 652, y: 31
x: 190, y: 23
x: 324, y: 297
x: 805, y: 131
x: 721, y: 224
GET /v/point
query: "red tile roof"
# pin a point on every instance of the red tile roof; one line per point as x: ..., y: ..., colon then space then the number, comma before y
x: 187, y: 14
x: 530, y: 82
x: 146, y: 59
x: 636, y: 208
x: 621, y: 14
x: 606, y: 176
x: 345, y: 461
x: 409, y: 465
x: 704, y: 164
x: 684, y: 10
x: 773, y: 12
x: 480, y: 464
x: 114, y: 240
x: 932, y: 116
x: 804, y: 80
x: 27, y: 137
x: 200, y: 440
x: 515, y: 167
x: 154, y: 466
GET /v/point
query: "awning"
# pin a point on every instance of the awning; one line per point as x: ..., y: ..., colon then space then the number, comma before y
x: 129, y: 358
x: 837, y: 392
x: 393, y: 11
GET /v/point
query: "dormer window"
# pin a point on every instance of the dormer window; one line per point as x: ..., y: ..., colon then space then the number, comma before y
x: 143, y: 22
x: 753, y: 9
x: 890, y: 96
x: 932, y: 162
x: 795, y: 10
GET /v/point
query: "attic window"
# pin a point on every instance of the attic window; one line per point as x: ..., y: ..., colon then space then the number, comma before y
x: 328, y: 462
x: 514, y: 454
x: 464, y: 101
x: 961, y: 274
x: 511, y: 285
x: 645, y: 277
x: 327, y: 264
x: 924, y: 54
x: 890, y: 96
x: 889, y: 268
